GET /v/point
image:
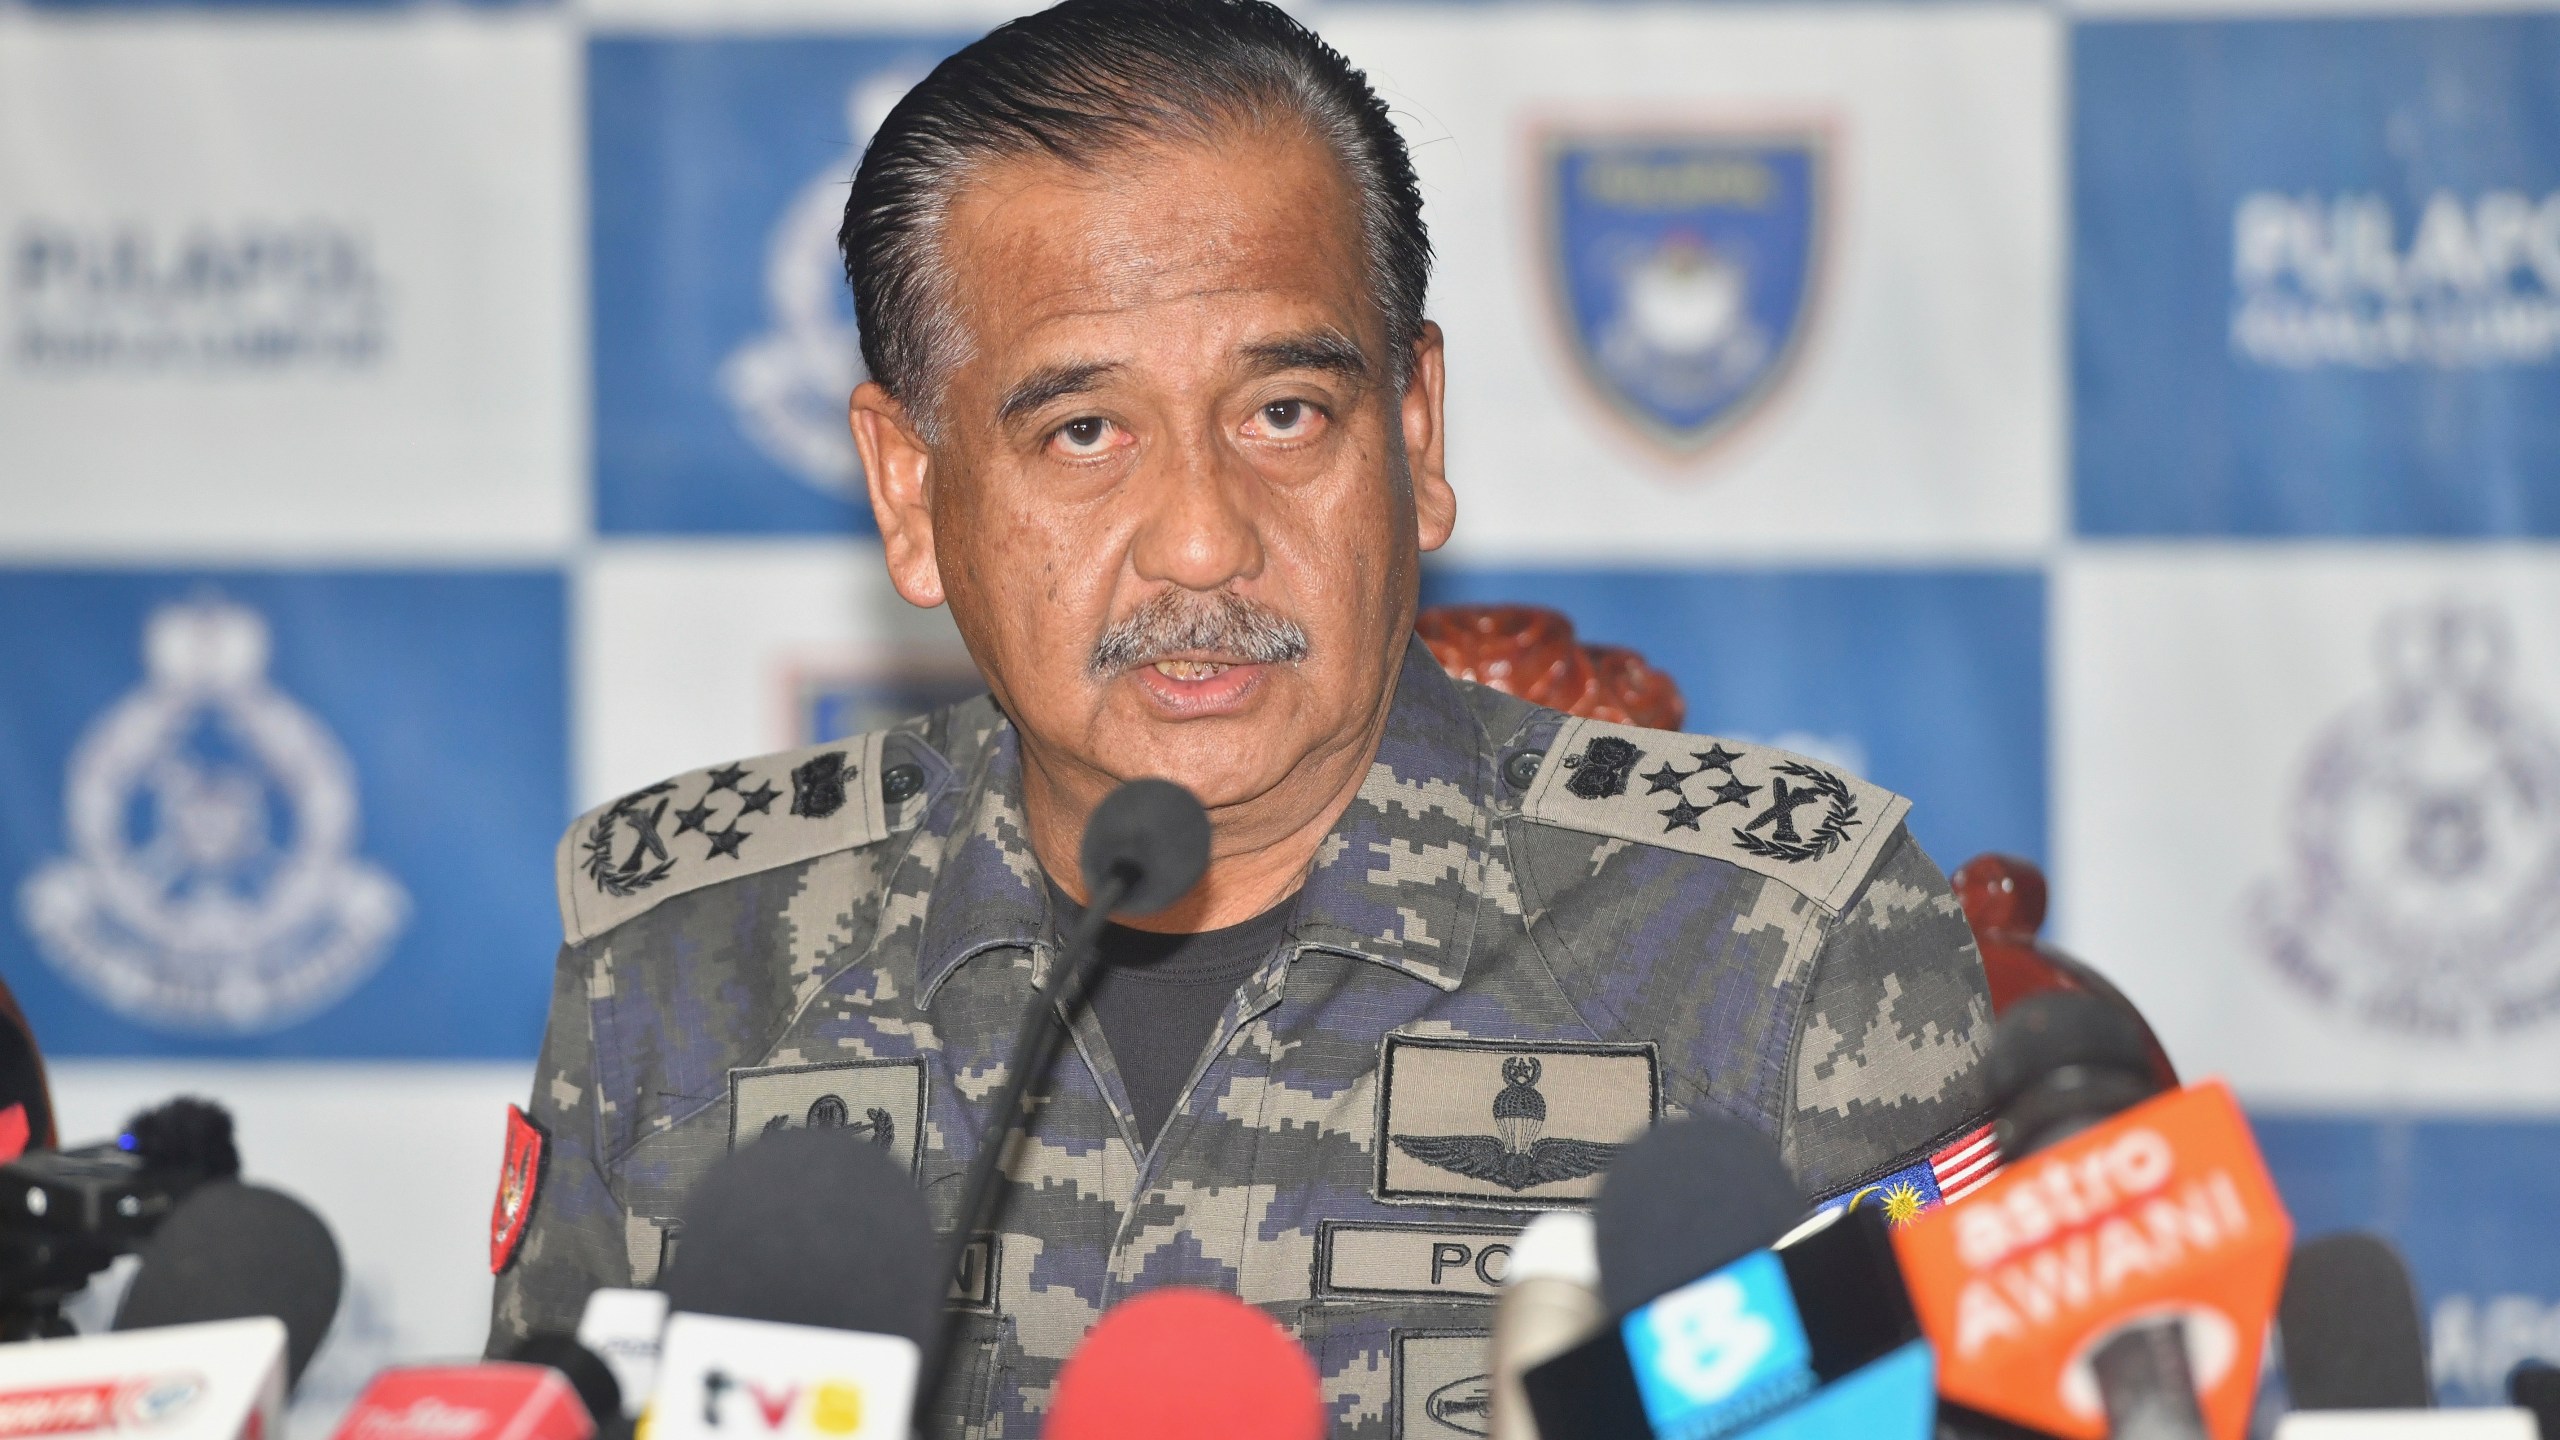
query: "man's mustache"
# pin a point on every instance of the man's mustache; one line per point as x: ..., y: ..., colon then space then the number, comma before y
x: 1178, y: 622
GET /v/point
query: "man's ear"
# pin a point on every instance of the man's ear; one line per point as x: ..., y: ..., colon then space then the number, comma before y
x: 1426, y: 433
x: 899, y: 471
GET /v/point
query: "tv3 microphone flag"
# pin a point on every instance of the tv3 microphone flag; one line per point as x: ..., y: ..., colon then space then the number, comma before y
x: 2165, y: 1210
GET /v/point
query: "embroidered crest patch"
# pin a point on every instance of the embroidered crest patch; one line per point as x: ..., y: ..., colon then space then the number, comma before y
x: 1793, y: 819
x: 519, y: 1186
x: 1511, y: 1125
x: 880, y: 1100
x: 1443, y: 1383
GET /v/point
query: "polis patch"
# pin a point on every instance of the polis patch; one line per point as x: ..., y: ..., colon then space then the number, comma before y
x: 519, y: 1186
x: 1504, y: 1124
x: 1443, y: 1384
x: 1365, y: 1260
x: 880, y: 1100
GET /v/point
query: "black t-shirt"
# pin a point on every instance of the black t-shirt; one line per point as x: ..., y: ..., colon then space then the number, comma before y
x: 1158, y: 998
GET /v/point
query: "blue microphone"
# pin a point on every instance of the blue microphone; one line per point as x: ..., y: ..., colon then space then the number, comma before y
x: 1722, y: 1328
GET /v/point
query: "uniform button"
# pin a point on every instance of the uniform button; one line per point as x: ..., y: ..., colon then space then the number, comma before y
x: 901, y: 782
x: 1522, y: 768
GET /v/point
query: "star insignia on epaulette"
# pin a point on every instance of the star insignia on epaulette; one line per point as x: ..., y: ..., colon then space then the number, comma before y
x: 759, y: 800
x: 1683, y: 816
x: 726, y: 778
x: 1715, y: 757
x: 698, y: 817
x: 1732, y: 792
x: 1667, y: 778
x: 726, y: 842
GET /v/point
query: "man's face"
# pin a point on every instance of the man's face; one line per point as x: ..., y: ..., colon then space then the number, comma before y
x: 1175, y: 502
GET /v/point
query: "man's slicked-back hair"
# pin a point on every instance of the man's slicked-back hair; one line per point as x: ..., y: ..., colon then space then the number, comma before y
x: 1079, y: 82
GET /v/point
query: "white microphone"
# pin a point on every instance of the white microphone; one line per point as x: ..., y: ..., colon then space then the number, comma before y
x: 624, y: 1328
x: 803, y: 1287
x: 217, y: 1380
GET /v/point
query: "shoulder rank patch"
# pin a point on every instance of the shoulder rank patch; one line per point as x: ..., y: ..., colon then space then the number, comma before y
x: 620, y: 860
x: 1808, y: 825
x: 1503, y: 1124
x: 519, y: 1185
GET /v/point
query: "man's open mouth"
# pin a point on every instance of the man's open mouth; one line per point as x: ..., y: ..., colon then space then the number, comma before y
x: 1192, y: 669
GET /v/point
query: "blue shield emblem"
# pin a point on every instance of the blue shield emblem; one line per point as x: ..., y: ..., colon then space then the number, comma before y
x: 1684, y: 269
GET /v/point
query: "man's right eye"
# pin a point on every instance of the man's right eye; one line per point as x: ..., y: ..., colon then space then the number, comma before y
x: 1083, y: 437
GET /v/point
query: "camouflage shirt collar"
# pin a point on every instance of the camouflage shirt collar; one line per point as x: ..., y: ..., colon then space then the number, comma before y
x: 1398, y: 881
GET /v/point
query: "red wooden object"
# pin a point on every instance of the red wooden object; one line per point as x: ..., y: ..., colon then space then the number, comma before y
x: 1530, y: 651
x: 2004, y: 901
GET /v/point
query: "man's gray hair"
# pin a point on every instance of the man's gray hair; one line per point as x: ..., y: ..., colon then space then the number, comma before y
x: 1077, y: 82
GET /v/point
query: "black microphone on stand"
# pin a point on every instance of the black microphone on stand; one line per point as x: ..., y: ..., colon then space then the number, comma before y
x: 1145, y: 846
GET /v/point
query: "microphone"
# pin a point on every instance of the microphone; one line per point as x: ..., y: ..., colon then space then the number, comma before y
x: 1815, y: 1338
x: 220, y: 1380
x: 232, y: 1251
x: 1549, y: 1303
x: 549, y: 1388
x: 1179, y: 1363
x: 623, y: 1328
x: 2534, y: 1385
x: 2116, y: 1279
x: 1144, y: 847
x: 2353, y: 1339
x: 65, y: 1214
x: 804, y: 1288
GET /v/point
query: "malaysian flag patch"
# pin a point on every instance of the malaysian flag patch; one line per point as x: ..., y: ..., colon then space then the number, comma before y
x: 1955, y: 1171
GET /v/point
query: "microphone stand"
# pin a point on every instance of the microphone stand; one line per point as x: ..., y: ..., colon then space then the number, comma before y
x: 1035, y: 1049
x: 2144, y: 1382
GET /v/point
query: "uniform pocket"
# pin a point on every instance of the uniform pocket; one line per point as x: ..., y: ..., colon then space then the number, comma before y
x: 1402, y: 1370
x: 960, y: 1412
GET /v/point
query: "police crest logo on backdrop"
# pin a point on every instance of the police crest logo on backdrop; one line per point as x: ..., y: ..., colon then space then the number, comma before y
x: 2422, y: 893
x: 787, y: 385
x: 213, y: 883
x: 1684, y: 269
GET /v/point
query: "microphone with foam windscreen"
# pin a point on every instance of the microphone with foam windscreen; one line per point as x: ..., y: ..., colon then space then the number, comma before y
x: 1144, y: 847
x: 2534, y: 1387
x: 1185, y: 1364
x: 2117, y: 1278
x: 1717, y: 1328
x: 804, y: 1289
x: 231, y: 1251
x: 2353, y: 1339
x: 1549, y: 1303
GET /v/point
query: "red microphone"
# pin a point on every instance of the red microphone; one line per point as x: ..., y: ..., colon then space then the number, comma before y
x: 468, y: 1402
x: 1175, y: 1364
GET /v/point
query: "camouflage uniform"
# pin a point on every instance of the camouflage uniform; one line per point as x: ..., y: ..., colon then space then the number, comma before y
x: 1527, y: 937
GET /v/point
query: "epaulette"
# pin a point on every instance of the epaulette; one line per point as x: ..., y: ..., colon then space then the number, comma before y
x: 621, y: 859
x: 1798, y: 821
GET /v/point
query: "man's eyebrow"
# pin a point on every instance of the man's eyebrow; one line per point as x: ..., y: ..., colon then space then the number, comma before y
x: 1051, y: 382
x: 1327, y: 350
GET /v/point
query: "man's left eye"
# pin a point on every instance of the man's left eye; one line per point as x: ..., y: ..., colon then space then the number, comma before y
x: 1287, y: 417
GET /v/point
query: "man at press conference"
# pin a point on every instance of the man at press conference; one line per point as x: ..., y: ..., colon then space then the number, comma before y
x: 1154, y: 408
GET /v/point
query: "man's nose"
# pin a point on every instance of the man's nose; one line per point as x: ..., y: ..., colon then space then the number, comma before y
x: 1200, y: 529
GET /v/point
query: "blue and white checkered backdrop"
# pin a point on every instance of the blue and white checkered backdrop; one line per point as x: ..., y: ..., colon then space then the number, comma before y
x: 2132, y: 433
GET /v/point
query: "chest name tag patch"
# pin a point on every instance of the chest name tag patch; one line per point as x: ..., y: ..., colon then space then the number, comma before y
x: 1443, y: 1383
x: 1507, y: 1125
x: 1412, y: 1262
x: 880, y: 1100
